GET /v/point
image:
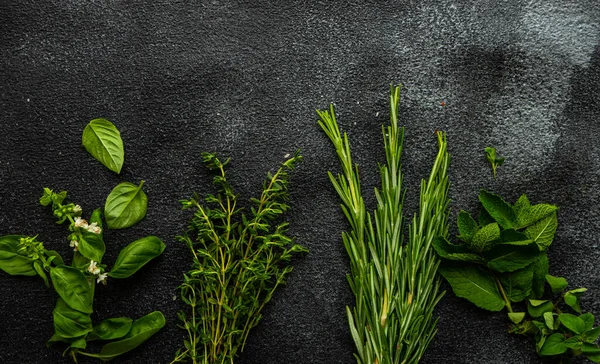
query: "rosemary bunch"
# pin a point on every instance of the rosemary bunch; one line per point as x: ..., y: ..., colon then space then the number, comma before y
x: 238, y: 262
x: 395, y: 284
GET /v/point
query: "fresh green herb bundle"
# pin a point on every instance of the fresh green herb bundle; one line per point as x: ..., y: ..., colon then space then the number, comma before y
x: 237, y: 263
x: 502, y: 261
x: 395, y: 284
x: 76, y: 283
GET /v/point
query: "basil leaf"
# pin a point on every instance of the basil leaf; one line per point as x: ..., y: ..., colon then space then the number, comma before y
x: 12, y: 262
x: 92, y: 247
x: 591, y: 351
x: 70, y: 323
x: 572, y: 322
x: 73, y: 287
x: 97, y: 218
x: 112, y: 328
x: 141, y: 330
x: 40, y: 271
x: 103, y: 141
x: 136, y: 255
x: 125, y: 205
x: 557, y: 284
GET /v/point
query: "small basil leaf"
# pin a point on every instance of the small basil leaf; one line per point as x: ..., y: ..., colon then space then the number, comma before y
x: 110, y: 329
x: 92, y: 247
x: 40, y: 271
x: 141, y: 330
x: 58, y: 260
x: 12, y: 262
x: 70, y: 323
x: 103, y: 141
x: 73, y: 287
x: 125, y: 205
x: 136, y: 255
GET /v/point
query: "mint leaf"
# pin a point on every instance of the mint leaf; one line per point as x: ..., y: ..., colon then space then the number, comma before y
x: 542, y: 232
x: 513, y: 237
x: 540, y: 270
x: 447, y: 250
x: 508, y: 258
x: 521, y: 204
x: 554, y: 345
x: 474, y: 284
x: 485, y: 237
x: 529, y: 215
x: 499, y: 209
x: 467, y: 227
x: 517, y: 284
x: 572, y: 322
x: 557, y: 284
x: 484, y: 218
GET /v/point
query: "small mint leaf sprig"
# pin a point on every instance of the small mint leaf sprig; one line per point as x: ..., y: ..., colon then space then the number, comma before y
x: 495, y: 161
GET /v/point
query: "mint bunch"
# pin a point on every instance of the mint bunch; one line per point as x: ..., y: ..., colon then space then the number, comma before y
x: 502, y: 261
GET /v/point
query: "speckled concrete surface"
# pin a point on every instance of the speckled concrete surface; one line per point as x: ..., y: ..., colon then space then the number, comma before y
x: 243, y: 78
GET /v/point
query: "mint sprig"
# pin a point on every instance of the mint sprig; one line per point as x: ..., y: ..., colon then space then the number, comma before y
x: 495, y: 161
x: 502, y: 263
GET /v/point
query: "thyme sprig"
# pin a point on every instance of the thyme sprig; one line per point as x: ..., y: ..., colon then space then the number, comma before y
x: 395, y: 284
x: 237, y: 264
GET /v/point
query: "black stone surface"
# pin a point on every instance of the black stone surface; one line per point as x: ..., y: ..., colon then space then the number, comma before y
x: 243, y: 78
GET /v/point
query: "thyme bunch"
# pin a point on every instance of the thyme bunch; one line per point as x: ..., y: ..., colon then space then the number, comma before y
x: 237, y: 263
x: 395, y: 284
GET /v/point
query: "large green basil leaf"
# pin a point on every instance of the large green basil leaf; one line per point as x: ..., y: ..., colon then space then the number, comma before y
x: 141, y: 330
x: 136, y: 255
x: 125, y: 205
x: 110, y: 329
x: 12, y: 262
x: 70, y: 323
x: 103, y: 141
x: 92, y: 247
x: 73, y: 287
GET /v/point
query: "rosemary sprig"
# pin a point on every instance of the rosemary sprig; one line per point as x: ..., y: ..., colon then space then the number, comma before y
x: 238, y: 262
x: 395, y: 285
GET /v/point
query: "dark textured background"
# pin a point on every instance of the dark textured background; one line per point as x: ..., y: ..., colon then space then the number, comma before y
x: 243, y: 78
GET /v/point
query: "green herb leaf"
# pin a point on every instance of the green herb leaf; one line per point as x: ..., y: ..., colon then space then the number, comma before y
x: 542, y: 232
x: 125, y: 205
x: 40, y: 271
x: 70, y: 323
x: 520, y: 205
x: 557, y: 284
x: 495, y: 161
x: 517, y: 284
x: 513, y: 237
x: 92, y: 246
x: 484, y: 238
x: 537, y: 308
x: 572, y: 322
x: 516, y: 317
x: 110, y: 329
x: 141, y: 330
x: 549, y: 320
x: 588, y: 318
x: 508, y: 258
x: 73, y: 287
x: 574, y: 342
x: 136, y: 255
x: 447, y: 250
x: 591, y: 335
x: 467, y: 227
x: 476, y: 285
x: 11, y: 261
x: 554, y: 345
x: 572, y: 298
x: 529, y: 215
x: 498, y: 209
x: 591, y: 351
x: 103, y: 141
x: 540, y: 270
